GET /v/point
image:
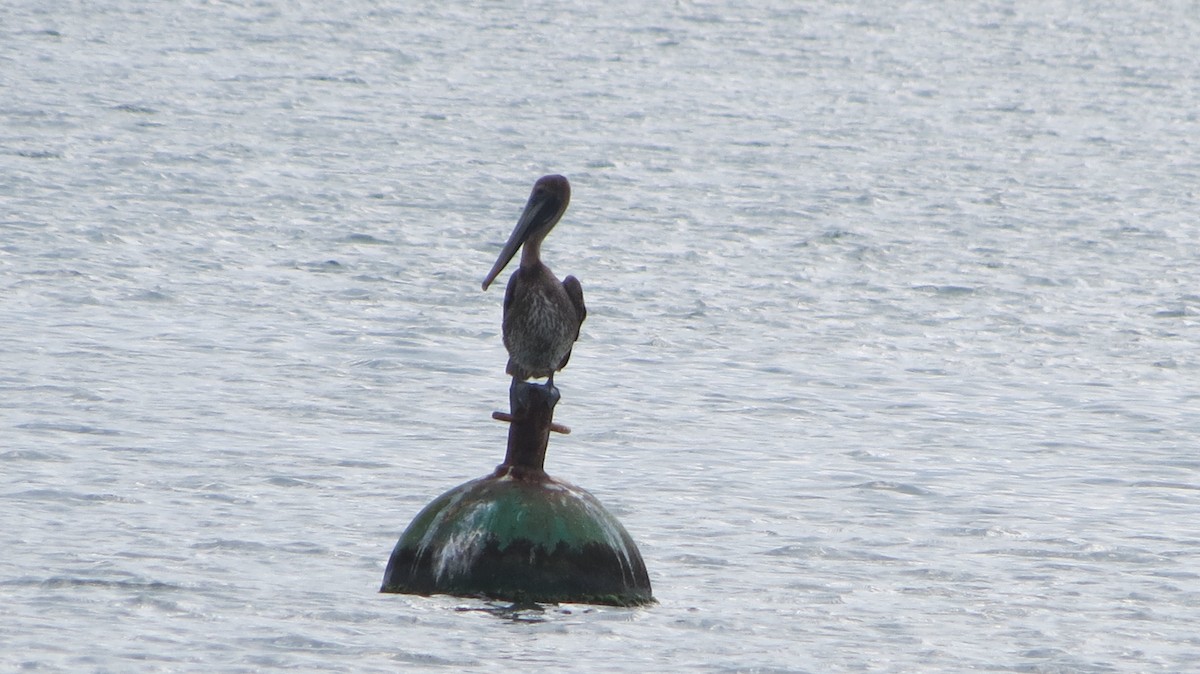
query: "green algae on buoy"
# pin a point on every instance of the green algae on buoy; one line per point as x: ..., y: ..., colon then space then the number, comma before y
x: 519, y: 534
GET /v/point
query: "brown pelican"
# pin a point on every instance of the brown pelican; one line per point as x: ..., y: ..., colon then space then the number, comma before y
x: 541, y: 315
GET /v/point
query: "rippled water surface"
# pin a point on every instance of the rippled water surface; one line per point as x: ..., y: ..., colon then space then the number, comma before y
x: 891, y: 361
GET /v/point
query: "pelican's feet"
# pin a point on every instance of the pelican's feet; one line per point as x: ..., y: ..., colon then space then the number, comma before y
x: 524, y: 396
x: 526, y: 399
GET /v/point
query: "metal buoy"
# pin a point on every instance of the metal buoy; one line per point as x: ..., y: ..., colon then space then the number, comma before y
x: 519, y: 534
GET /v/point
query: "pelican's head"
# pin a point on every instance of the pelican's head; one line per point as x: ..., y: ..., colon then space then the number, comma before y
x: 545, y: 207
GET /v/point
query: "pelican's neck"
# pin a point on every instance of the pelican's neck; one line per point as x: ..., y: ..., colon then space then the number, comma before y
x: 531, y: 253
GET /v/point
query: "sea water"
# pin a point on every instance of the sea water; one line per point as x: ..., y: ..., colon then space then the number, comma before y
x: 891, y: 361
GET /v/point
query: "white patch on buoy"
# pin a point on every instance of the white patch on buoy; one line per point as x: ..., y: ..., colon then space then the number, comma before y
x: 457, y: 555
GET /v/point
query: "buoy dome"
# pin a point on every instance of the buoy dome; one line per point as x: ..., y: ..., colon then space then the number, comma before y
x: 519, y: 536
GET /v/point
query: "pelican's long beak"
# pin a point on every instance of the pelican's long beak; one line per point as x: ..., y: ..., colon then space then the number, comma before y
x: 542, y: 211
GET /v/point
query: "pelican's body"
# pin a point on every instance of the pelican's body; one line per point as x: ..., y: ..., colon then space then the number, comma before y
x: 541, y: 314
